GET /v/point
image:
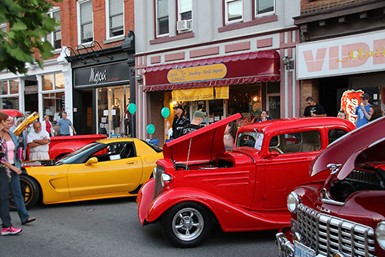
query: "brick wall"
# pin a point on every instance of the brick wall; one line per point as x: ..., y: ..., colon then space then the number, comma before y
x: 69, y: 25
x: 311, y: 6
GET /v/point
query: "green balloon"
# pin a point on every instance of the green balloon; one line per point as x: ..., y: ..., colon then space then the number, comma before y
x: 165, y: 112
x: 131, y: 108
x: 150, y: 129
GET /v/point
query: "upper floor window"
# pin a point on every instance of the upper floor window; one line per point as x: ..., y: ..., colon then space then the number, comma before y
x: 162, y: 17
x: 115, y: 20
x: 184, y: 15
x: 264, y: 7
x: 85, y: 20
x: 184, y: 10
x: 233, y: 10
x: 55, y: 37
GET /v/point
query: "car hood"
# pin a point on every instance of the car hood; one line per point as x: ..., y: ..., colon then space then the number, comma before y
x: 351, y: 144
x: 373, y: 153
x: 13, y: 112
x: 203, y: 144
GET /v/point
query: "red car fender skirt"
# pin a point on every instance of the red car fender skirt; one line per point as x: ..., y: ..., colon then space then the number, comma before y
x: 229, y: 216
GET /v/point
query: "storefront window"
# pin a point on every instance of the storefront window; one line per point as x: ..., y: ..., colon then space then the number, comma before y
x: 59, y: 81
x: 48, y: 82
x: 53, y: 104
x: 53, y: 81
x: 9, y: 90
x: 14, y: 87
x: 113, y: 118
x: 9, y: 103
x: 4, y: 87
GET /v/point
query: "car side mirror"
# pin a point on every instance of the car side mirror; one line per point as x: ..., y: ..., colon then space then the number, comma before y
x: 92, y: 160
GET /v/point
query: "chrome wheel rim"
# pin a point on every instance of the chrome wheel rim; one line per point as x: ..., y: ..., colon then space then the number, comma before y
x: 187, y: 224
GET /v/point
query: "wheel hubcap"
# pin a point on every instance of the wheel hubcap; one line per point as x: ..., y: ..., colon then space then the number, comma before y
x: 188, y: 224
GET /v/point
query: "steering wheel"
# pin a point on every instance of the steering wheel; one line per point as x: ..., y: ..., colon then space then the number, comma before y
x: 273, y: 148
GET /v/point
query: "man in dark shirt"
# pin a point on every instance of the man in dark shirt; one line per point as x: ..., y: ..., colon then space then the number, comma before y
x: 195, y: 124
x: 179, y: 121
x: 313, y: 109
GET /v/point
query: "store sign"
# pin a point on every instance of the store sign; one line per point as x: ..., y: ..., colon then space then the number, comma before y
x: 206, y: 72
x: 103, y: 75
x: 341, y: 56
x: 193, y: 94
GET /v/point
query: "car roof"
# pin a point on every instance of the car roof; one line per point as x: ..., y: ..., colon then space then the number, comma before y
x: 271, y: 126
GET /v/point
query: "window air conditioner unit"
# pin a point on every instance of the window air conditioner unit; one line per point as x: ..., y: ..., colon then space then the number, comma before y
x: 183, y: 25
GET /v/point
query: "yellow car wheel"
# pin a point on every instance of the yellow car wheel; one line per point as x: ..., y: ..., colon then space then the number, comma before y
x: 31, y: 191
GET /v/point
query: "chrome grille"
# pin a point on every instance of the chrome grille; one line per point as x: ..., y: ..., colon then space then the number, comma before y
x: 328, y: 235
x: 159, y: 170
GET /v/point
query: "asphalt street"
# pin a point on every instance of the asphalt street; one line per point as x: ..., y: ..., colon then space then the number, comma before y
x: 111, y: 228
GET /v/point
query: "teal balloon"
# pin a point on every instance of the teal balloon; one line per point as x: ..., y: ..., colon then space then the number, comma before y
x: 165, y: 112
x: 150, y: 129
x: 131, y: 108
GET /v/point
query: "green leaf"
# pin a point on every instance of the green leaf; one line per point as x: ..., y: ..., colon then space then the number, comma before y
x: 18, y: 26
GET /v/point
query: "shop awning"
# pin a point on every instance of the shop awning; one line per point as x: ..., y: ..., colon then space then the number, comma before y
x: 247, y: 68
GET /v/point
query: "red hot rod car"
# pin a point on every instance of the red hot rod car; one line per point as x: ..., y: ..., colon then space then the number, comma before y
x: 244, y: 189
x: 345, y: 215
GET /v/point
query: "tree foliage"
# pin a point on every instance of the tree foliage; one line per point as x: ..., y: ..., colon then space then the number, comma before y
x: 23, y: 41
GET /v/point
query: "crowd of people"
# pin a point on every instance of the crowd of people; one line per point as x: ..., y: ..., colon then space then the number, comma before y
x: 365, y: 111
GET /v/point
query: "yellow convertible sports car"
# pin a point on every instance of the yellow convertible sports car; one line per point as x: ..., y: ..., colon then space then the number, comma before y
x: 107, y: 168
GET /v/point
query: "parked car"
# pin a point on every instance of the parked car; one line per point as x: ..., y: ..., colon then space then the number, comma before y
x: 244, y: 189
x: 108, y: 168
x: 345, y: 215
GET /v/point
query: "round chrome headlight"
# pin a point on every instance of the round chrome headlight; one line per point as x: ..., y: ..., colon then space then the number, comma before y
x: 380, y: 234
x: 292, y: 202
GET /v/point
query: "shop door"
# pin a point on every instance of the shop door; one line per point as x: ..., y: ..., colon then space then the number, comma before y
x: 274, y: 103
x: 86, y: 113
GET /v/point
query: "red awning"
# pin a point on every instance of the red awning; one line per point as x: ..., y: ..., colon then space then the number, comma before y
x: 262, y: 66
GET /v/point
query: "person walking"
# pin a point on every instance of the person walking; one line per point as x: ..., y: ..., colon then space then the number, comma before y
x: 46, y: 125
x: 64, y: 125
x: 7, y: 227
x: 38, y: 141
x: 179, y: 121
x: 195, y: 124
x: 13, y: 163
x: 313, y: 109
x: 364, y: 111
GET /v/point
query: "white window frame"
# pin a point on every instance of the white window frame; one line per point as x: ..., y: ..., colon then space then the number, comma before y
x: 157, y: 20
x: 108, y: 23
x: 257, y: 15
x: 227, y: 21
x: 79, y: 3
x: 180, y: 11
x: 52, y: 34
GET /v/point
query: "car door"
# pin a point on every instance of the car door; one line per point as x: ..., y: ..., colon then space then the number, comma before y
x: 290, y: 168
x: 117, y: 172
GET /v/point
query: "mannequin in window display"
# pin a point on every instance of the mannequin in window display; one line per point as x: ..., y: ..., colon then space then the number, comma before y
x: 116, y: 117
x: 127, y: 116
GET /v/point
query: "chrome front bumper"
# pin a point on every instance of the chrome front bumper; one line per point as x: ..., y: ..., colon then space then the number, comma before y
x: 285, y: 247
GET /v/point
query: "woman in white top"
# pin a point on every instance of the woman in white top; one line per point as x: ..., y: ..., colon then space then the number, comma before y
x: 46, y: 125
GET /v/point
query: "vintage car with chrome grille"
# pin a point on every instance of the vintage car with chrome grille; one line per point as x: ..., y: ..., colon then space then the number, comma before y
x: 244, y: 189
x: 345, y: 215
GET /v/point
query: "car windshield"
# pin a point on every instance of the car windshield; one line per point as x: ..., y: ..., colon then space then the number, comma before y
x: 85, y: 150
x: 252, y: 139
